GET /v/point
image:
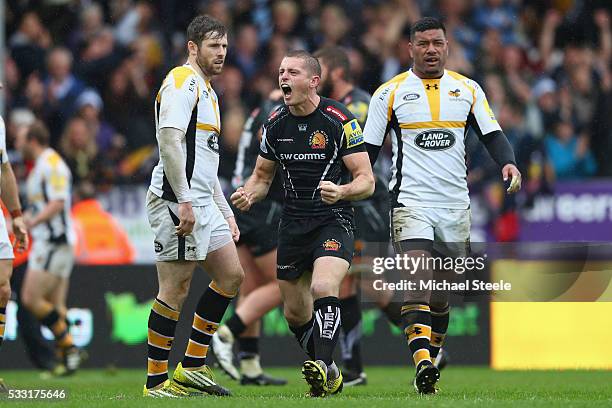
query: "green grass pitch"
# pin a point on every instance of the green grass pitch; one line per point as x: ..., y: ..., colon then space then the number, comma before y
x: 387, y: 387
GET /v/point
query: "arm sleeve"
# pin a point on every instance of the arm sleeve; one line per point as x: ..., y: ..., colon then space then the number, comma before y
x: 376, y: 127
x: 499, y: 148
x: 173, y: 160
x: 57, y: 182
x: 266, y: 147
x: 178, y: 97
x: 482, y: 120
x: 481, y: 117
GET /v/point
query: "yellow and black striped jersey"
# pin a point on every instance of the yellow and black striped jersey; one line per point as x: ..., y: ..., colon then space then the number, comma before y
x: 427, y: 120
x: 187, y: 102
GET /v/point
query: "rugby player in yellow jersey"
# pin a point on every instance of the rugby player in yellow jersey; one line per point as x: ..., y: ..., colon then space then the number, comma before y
x: 426, y: 112
x: 191, y: 220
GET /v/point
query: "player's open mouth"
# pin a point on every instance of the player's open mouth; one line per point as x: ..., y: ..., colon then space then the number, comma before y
x: 286, y: 90
x: 431, y: 60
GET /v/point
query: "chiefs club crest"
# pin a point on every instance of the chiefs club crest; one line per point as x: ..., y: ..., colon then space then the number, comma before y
x: 318, y: 140
x: 331, y: 245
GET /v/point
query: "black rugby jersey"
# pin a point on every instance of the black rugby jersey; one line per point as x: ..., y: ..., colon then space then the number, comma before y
x: 357, y: 102
x: 309, y: 149
x: 248, y: 149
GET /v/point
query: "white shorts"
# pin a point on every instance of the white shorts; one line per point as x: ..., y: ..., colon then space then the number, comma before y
x: 210, y: 231
x: 57, y: 259
x: 449, y: 229
x: 6, y: 249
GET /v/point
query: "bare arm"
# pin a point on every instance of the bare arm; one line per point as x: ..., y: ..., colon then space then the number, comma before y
x: 257, y: 186
x: 10, y: 194
x: 362, y: 185
x: 52, y: 208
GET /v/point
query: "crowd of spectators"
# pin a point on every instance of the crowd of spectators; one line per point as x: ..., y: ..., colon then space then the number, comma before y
x: 90, y: 70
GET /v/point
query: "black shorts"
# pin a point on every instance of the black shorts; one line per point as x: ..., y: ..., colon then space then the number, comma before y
x: 372, y: 226
x: 259, y: 227
x: 301, y: 241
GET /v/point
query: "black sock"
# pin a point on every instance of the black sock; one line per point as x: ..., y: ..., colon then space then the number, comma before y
x: 439, y: 325
x: 326, y: 327
x: 248, y: 347
x: 303, y: 335
x: 350, y: 337
x: 162, y: 324
x: 236, y: 325
x: 393, y: 311
x: 208, y: 314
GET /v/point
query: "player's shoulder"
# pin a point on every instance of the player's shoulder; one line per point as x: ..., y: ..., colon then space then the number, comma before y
x: 336, y: 111
x: 469, y: 82
x: 182, y: 75
x: 51, y: 159
x: 276, y: 115
x: 383, y: 90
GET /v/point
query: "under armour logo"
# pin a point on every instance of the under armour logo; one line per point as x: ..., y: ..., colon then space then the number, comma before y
x: 429, y: 86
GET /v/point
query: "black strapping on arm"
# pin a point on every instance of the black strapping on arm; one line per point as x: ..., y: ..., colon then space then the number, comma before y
x: 499, y: 148
x: 373, y: 151
x: 496, y: 143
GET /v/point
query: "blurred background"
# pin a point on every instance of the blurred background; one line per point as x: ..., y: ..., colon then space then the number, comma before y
x: 90, y: 71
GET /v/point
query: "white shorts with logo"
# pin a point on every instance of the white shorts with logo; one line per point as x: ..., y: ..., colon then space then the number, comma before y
x: 6, y: 249
x: 210, y: 231
x: 449, y: 229
x: 57, y: 259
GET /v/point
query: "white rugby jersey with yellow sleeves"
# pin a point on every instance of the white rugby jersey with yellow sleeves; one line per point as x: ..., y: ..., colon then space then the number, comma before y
x: 50, y: 179
x: 427, y: 121
x: 187, y: 102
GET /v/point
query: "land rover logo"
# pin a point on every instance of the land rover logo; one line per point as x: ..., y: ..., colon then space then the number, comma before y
x: 411, y: 97
x: 436, y: 139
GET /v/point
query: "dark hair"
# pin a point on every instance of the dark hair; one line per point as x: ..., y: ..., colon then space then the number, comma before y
x: 204, y: 27
x: 335, y: 57
x: 38, y: 131
x: 426, y: 23
x: 312, y: 64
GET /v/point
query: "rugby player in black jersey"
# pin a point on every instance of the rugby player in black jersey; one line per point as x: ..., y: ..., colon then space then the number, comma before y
x: 317, y: 142
x: 371, y: 221
x: 259, y: 292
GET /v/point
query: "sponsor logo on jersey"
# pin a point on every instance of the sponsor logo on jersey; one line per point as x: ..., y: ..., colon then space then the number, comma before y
x: 302, y: 156
x: 274, y: 114
x: 435, y: 139
x: 384, y: 93
x: 158, y: 247
x: 302, y: 127
x: 353, y: 133
x: 336, y: 112
x: 205, y: 94
x: 331, y: 245
x: 411, y: 97
x: 213, y: 142
x: 456, y: 93
x: 318, y: 140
